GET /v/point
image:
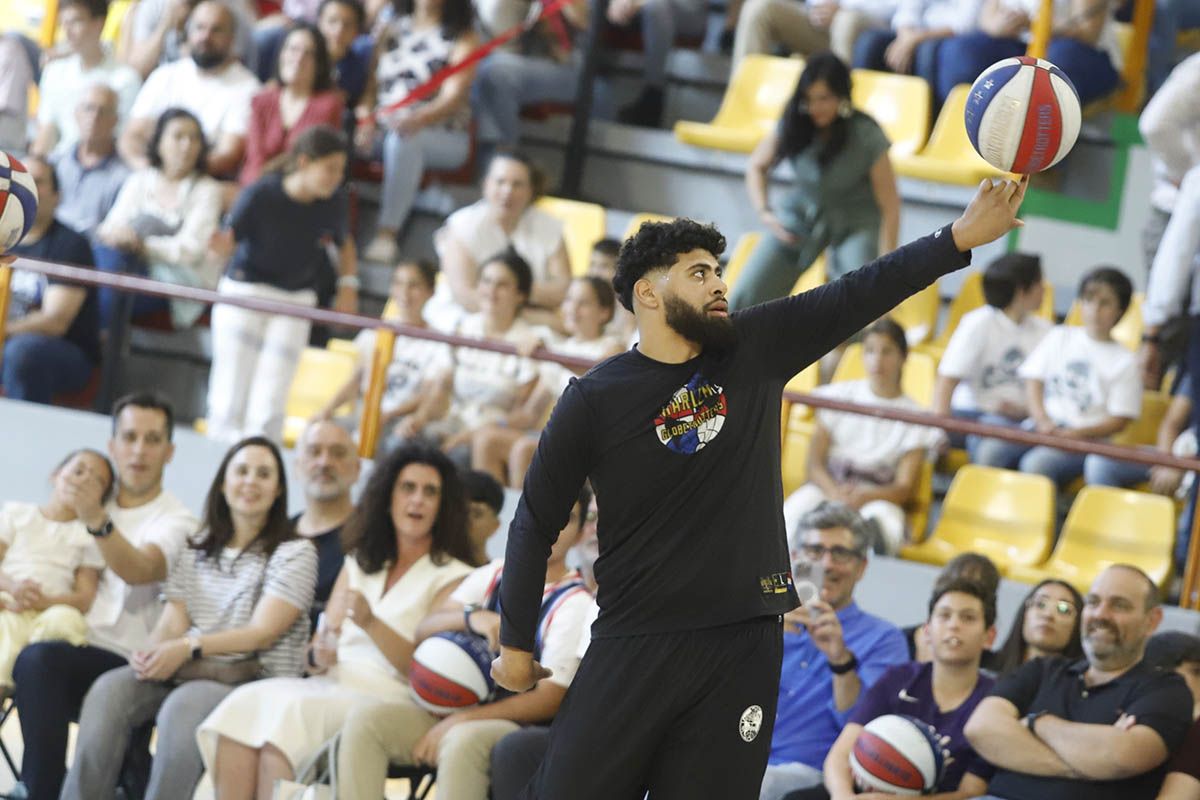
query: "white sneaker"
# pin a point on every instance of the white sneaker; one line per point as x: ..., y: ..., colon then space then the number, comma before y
x: 382, y: 249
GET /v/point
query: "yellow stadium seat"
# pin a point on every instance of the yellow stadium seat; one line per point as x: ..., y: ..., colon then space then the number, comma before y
x: 812, y: 277
x: 1128, y: 331
x: 803, y: 382
x: 795, y: 456
x: 899, y: 103
x: 920, y: 370
x: 318, y: 377
x: 117, y: 11
x: 1144, y: 429
x: 1109, y: 526
x: 918, y: 314
x: 638, y: 219
x: 1005, y: 515
x: 754, y: 100
x: 36, y: 19
x: 739, y: 255
x: 949, y: 156
x: 916, y: 510
x: 342, y: 346
x: 583, y: 226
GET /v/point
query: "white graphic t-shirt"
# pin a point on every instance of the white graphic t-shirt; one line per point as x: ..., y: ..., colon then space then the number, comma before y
x: 985, y: 353
x: 1084, y: 380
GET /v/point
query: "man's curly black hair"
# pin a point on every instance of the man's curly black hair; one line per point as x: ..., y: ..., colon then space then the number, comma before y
x: 656, y: 245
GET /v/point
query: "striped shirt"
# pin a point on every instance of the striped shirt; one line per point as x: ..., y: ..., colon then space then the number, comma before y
x: 221, y: 594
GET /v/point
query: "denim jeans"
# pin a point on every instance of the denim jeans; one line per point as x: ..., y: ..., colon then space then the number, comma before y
x: 37, y: 367
x: 110, y: 259
x: 872, y: 45
x: 405, y: 159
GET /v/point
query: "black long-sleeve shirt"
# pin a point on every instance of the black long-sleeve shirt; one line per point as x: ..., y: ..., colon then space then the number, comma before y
x: 684, y: 461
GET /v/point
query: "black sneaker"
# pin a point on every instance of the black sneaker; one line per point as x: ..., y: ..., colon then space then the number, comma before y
x: 646, y: 111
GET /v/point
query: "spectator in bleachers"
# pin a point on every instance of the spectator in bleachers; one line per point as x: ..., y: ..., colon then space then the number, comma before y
x: 1047, y: 624
x: 279, y: 232
x: 505, y: 450
x: 459, y: 745
x: 843, y: 196
x: 1183, y: 773
x: 974, y: 567
x: 433, y: 132
x: 545, y: 70
x: 53, y: 341
x: 603, y: 265
x: 417, y: 366
x: 301, y: 94
x: 911, y: 45
x: 1171, y: 17
x: 486, y: 501
x: 1170, y: 125
x: 140, y: 533
x: 661, y: 23
x: 832, y: 651
x: 1179, y: 652
x: 1176, y: 436
x: 163, y: 219
x: 49, y: 565
x: 91, y: 173
x: 210, y: 83
x: 64, y: 79
x: 485, y: 387
x: 808, y: 28
x: 1098, y: 727
x: 157, y: 32
x: 1079, y: 383
x: 872, y: 465
x: 243, y: 585
x: 342, y: 22
x: 327, y: 467
x: 19, y: 71
x: 504, y: 217
x: 1083, y: 44
x: 407, y: 544
x: 942, y: 694
x: 977, y: 375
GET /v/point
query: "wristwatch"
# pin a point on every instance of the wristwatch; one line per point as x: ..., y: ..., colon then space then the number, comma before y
x: 105, y: 529
x: 468, y: 610
x: 1031, y: 719
x: 194, y: 647
x: 842, y: 669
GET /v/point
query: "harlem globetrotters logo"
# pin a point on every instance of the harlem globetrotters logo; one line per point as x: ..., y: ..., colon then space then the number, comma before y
x: 693, y: 417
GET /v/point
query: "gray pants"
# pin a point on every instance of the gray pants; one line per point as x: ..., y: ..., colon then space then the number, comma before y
x: 774, y: 267
x: 116, y: 705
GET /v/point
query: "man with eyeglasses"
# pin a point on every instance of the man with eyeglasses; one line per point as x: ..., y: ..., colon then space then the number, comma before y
x: 832, y: 651
x: 1099, y: 727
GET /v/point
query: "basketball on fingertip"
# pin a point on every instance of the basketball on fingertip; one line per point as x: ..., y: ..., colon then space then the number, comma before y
x: 450, y: 672
x: 1023, y: 115
x: 18, y: 202
x: 897, y: 754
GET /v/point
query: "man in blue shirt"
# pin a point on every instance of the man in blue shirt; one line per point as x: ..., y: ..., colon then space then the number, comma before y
x: 832, y: 652
x: 91, y: 173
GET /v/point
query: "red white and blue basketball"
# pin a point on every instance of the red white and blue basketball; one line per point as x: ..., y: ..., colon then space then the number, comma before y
x: 1023, y: 115
x: 895, y: 754
x: 18, y: 202
x: 451, y: 671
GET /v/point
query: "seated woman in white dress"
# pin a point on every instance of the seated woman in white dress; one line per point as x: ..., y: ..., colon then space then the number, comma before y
x: 869, y: 464
x: 505, y: 217
x: 408, y: 550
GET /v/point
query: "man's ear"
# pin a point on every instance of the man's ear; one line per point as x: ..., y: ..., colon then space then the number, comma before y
x: 645, y: 293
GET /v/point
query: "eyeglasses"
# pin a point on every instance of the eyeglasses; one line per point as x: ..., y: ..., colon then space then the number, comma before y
x: 1065, y: 608
x: 839, y: 554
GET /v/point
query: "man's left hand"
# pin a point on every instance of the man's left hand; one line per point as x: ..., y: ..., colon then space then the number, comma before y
x: 425, y: 751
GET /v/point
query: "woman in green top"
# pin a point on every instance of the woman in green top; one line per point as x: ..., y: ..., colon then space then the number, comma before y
x: 843, y: 196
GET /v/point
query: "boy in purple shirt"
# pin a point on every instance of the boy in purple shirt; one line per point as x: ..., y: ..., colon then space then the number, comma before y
x: 942, y: 693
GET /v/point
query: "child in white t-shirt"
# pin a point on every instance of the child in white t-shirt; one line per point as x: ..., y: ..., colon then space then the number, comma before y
x: 1080, y: 383
x: 869, y: 464
x: 977, y: 376
x: 49, y: 563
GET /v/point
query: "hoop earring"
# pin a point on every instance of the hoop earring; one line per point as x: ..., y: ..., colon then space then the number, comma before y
x: 845, y: 109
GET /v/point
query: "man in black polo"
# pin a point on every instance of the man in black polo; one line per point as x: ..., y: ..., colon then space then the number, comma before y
x: 1100, y: 727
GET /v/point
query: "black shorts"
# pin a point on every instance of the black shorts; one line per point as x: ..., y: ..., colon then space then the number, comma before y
x: 681, y: 715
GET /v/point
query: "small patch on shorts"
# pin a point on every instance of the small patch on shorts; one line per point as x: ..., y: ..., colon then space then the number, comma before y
x: 750, y: 723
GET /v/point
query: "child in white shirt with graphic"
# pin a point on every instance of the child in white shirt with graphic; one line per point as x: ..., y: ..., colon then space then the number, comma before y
x: 1079, y: 382
x: 49, y: 563
x: 977, y: 376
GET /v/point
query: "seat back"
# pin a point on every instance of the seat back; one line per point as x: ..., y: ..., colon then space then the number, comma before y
x: 901, y: 104
x: 1107, y: 526
x: 920, y: 372
x: 918, y: 314
x: 638, y: 219
x: 318, y: 377
x: 758, y: 91
x: 795, y: 455
x: 1144, y: 429
x: 1006, y: 515
x: 1128, y: 331
x: 583, y: 226
x: 739, y: 255
x: 949, y: 156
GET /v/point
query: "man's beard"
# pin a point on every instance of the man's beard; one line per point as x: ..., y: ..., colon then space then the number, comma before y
x: 207, y: 59
x: 715, y: 333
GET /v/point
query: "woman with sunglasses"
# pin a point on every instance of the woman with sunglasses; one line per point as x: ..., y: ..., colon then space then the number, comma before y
x: 1047, y: 625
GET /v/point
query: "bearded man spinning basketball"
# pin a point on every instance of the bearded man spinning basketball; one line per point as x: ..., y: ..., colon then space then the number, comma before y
x: 680, y: 439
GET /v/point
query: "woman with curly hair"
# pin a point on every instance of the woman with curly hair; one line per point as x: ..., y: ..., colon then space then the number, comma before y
x: 238, y: 598
x: 1046, y: 625
x: 408, y: 549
